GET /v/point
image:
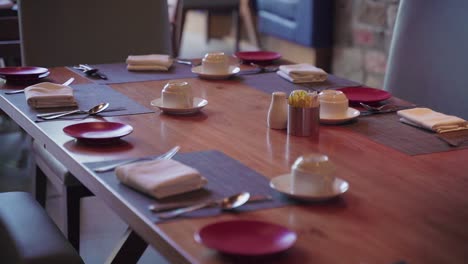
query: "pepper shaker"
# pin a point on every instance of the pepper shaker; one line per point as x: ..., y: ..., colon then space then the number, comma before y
x: 278, y: 111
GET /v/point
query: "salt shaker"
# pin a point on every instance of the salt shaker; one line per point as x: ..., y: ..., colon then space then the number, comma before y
x: 278, y: 111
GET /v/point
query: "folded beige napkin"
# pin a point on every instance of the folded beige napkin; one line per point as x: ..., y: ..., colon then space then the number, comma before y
x: 151, y: 62
x: 432, y: 120
x: 302, y: 73
x: 160, y: 178
x: 46, y: 94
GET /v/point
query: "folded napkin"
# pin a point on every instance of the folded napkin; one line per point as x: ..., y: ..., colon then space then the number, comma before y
x: 151, y: 62
x: 160, y: 178
x: 429, y: 119
x: 46, y: 94
x: 302, y: 73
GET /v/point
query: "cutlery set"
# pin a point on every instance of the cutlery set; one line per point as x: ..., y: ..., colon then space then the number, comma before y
x: 68, y: 82
x: 388, y: 108
x: 258, y: 68
x: 156, y: 208
x: 90, y: 71
x: 166, y: 155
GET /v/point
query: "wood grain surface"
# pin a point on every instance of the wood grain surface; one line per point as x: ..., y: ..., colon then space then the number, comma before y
x: 398, y: 207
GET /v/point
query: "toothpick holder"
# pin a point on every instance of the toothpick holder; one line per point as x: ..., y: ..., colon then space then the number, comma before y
x: 303, y: 122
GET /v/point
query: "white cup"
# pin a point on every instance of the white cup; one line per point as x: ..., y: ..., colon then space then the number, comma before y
x: 215, y: 63
x: 333, y: 104
x: 177, y: 94
x: 312, y: 173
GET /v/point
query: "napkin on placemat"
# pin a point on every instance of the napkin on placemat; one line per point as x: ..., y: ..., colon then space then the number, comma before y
x: 160, y: 178
x: 46, y: 94
x: 432, y: 120
x: 302, y: 73
x: 151, y: 62
x: 455, y: 138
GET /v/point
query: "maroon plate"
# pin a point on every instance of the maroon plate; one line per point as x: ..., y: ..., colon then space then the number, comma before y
x: 258, y: 56
x: 22, y: 72
x: 98, y: 132
x: 246, y: 237
x: 365, y: 94
x: 25, y: 78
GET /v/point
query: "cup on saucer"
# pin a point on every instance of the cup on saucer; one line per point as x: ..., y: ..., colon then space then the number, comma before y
x: 177, y: 94
x: 215, y: 63
x: 333, y: 104
x: 312, y: 173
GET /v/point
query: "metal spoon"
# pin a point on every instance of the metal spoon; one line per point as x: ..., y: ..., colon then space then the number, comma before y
x: 92, y: 111
x: 227, y: 203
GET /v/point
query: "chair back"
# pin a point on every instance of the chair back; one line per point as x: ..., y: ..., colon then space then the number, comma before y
x: 61, y: 33
x: 428, y: 59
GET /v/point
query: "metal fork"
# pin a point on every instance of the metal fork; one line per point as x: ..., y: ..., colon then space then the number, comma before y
x: 166, y: 155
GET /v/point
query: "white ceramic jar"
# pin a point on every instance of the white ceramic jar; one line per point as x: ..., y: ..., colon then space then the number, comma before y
x: 177, y: 94
x: 313, y: 172
x: 215, y: 63
x: 278, y: 111
x: 333, y: 104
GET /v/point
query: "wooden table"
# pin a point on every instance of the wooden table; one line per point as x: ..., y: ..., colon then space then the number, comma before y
x: 398, y: 207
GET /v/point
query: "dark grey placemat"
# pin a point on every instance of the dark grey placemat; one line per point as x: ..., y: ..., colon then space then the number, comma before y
x: 272, y: 82
x: 386, y: 129
x: 226, y: 176
x: 118, y: 73
x: 87, y: 96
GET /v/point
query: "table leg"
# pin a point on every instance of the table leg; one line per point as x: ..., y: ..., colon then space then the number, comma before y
x: 129, y: 249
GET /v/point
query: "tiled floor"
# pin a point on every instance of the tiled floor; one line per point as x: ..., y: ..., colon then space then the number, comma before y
x: 100, y: 227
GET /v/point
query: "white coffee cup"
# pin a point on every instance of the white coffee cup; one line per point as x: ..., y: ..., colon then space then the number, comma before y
x: 215, y: 63
x: 333, y: 104
x: 312, y: 173
x: 177, y: 94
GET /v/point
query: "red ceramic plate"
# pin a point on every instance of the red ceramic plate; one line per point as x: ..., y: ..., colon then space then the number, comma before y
x: 365, y: 94
x: 258, y: 56
x: 246, y: 237
x: 98, y: 132
x: 23, y: 72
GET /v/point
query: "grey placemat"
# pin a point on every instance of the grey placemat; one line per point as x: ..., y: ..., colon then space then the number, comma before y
x: 118, y: 73
x: 87, y: 96
x: 386, y: 129
x: 272, y: 82
x: 226, y: 176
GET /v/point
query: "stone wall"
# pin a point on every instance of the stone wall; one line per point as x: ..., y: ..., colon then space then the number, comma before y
x: 363, y: 32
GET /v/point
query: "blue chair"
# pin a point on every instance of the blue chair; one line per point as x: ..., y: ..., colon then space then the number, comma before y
x: 428, y: 56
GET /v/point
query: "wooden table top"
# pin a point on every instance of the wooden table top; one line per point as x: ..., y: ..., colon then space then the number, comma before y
x: 398, y: 207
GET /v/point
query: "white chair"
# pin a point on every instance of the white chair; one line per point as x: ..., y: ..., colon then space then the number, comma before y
x: 428, y: 56
x: 61, y: 33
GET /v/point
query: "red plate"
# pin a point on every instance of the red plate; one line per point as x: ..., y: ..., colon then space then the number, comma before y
x: 23, y: 72
x: 246, y: 237
x: 98, y: 132
x: 365, y: 94
x: 258, y: 56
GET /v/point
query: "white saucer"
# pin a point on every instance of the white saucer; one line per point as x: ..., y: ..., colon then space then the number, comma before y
x: 282, y: 184
x: 350, y: 115
x: 199, y: 70
x: 198, y: 104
